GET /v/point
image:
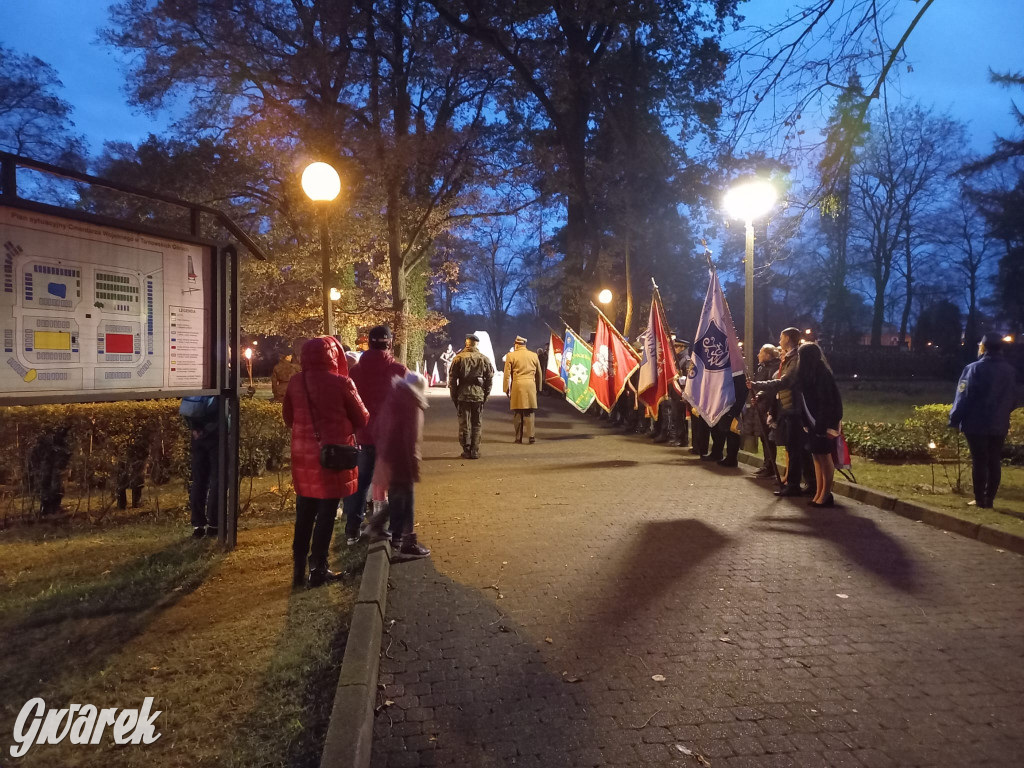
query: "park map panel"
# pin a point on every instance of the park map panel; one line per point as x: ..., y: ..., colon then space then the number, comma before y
x: 88, y: 309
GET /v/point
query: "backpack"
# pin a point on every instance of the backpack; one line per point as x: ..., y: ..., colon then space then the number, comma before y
x: 200, y: 412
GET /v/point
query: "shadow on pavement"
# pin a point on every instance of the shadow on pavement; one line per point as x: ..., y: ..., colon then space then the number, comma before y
x: 470, y: 686
x: 658, y: 559
x: 858, y: 537
x: 610, y: 464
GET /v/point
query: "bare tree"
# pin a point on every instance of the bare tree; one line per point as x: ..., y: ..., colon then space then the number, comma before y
x: 497, y: 277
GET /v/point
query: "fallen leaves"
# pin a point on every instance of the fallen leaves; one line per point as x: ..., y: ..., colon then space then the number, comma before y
x: 841, y: 596
x: 658, y: 678
x: 567, y: 678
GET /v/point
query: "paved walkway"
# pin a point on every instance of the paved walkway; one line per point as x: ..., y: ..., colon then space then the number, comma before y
x: 597, y: 600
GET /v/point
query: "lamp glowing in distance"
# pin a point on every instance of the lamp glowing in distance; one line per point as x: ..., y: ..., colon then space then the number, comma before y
x: 335, y: 294
x: 604, y: 296
x: 750, y: 200
x: 321, y: 182
x: 1008, y: 338
x: 248, y: 353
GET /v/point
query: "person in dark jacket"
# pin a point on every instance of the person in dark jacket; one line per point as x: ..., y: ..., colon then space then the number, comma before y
x: 985, y: 396
x: 822, y: 408
x: 319, y: 401
x: 399, y: 435
x: 202, y: 415
x: 761, y: 410
x: 374, y: 376
x: 469, y: 382
x: 788, y: 422
x: 723, y: 435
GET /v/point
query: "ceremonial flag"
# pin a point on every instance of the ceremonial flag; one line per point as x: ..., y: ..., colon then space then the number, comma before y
x: 434, y: 378
x: 658, y: 366
x: 576, y: 359
x: 552, y: 375
x: 614, y: 361
x: 716, y: 358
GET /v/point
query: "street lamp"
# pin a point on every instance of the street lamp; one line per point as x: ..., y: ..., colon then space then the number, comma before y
x: 335, y: 294
x: 322, y: 184
x: 605, y: 296
x: 747, y: 202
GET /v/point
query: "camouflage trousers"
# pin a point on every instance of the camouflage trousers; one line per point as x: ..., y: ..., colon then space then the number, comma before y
x: 469, y: 424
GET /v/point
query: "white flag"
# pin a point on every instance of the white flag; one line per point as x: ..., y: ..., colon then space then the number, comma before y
x: 716, y: 358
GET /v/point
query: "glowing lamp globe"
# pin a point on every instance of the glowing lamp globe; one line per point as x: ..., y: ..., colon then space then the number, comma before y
x: 335, y: 294
x: 321, y: 182
x: 248, y: 353
x: 604, y: 296
x: 750, y: 200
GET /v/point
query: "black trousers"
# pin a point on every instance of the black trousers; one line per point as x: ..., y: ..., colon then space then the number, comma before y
x: 986, y: 466
x: 205, y: 452
x: 400, y: 505
x: 796, y: 448
x: 701, y: 434
x: 314, y: 518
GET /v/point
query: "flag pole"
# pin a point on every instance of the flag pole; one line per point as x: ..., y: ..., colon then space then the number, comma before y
x: 616, y: 331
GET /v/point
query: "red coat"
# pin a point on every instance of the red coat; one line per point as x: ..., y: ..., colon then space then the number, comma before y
x: 339, y: 413
x: 399, y: 431
x: 374, y: 375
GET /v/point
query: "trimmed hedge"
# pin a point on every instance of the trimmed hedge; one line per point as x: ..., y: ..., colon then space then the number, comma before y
x: 112, y: 446
x: 909, y: 440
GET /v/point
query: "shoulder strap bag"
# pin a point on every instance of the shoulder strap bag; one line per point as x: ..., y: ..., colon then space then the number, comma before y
x: 334, y: 457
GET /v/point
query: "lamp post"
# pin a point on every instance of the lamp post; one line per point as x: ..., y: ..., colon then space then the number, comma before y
x: 322, y: 184
x: 746, y: 202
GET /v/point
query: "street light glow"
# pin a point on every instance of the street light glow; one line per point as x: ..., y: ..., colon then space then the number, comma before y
x: 321, y: 182
x: 750, y: 200
x: 807, y: 331
x: 248, y: 353
x: 335, y: 294
x: 604, y: 296
x: 1008, y: 338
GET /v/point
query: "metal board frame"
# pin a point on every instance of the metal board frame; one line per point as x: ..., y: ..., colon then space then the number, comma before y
x: 225, y: 328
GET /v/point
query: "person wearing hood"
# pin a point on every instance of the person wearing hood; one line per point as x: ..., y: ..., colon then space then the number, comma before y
x: 399, y: 435
x: 322, y: 407
x: 985, y: 397
x: 373, y: 376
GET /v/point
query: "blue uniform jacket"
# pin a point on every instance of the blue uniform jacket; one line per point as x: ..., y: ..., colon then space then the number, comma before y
x: 984, y: 397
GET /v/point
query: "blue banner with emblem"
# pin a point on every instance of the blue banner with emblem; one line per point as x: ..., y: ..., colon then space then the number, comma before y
x: 716, y: 358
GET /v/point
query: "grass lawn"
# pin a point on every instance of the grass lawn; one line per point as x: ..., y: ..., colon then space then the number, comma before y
x: 243, y: 668
x: 891, y: 400
x: 913, y: 482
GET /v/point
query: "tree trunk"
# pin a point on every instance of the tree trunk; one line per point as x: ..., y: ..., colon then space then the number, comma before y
x: 627, y: 323
x: 399, y: 299
x: 909, y: 298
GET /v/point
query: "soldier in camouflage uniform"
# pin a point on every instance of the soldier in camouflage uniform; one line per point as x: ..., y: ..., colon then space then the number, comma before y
x: 469, y: 382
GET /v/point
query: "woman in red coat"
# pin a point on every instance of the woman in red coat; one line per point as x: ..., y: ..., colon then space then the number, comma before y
x: 319, y: 393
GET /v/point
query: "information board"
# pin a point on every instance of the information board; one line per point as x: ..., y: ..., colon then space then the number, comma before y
x: 86, y: 309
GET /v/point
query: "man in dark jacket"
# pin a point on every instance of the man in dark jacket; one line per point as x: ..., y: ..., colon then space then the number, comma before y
x: 984, y: 398
x: 373, y: 376
x: 789, y: 427
x: 469, y: 381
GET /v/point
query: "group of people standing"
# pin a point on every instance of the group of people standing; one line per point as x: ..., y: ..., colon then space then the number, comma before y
x: 470, y: 378
x: 376, y: 410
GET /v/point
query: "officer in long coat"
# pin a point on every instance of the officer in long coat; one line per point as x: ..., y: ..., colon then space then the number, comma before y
x: 523, y: 379
x: 469, y: 382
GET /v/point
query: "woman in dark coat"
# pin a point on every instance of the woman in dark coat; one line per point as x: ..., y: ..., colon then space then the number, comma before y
x: 822, y: 413
x: 319, y: 392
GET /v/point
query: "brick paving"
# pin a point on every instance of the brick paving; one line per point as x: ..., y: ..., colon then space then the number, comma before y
x: 566, y: 575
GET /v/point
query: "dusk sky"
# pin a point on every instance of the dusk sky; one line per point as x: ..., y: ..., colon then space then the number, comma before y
x: 950, y: 51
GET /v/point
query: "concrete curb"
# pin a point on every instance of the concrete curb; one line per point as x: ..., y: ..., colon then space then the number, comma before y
x: 350, y: 731
x: 914, y: 511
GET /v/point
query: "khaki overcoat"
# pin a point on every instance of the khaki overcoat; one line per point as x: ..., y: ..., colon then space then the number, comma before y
x: 523, y: 378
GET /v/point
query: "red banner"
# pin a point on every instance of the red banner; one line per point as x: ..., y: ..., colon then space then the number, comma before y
x: 658, y: 367
x: 552, y: 376
x: 613, y: 363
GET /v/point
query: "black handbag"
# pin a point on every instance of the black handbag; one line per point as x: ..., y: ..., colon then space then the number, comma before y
x: 334, y: 457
